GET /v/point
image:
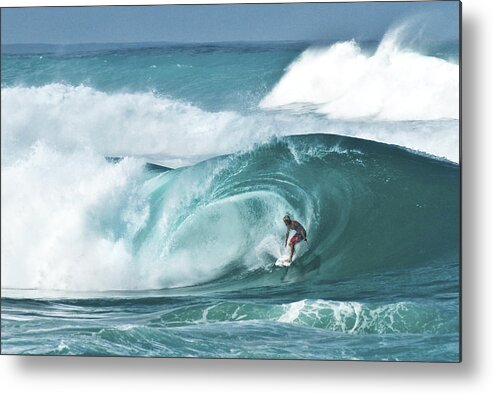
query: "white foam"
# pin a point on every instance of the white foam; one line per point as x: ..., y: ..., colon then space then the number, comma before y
x: 394, y: 83
x: 349, y: 316
x: 174, y: 133
x: 292, y: 311
x: 75, y: 117
x: 63, y: 213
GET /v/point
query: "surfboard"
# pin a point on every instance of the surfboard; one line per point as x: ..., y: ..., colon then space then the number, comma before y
x: 283, y: 261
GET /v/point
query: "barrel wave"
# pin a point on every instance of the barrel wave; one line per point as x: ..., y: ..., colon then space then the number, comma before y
x: 378, y: 207
x: 367, y: 207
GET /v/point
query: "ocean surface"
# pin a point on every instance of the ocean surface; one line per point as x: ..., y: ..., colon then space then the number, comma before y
x: 143, y: 190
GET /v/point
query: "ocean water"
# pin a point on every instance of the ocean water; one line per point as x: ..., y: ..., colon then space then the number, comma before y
x: 143, y: 190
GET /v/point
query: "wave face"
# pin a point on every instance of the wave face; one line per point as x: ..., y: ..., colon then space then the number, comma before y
x: 378, y: 208
x: 344, y: 82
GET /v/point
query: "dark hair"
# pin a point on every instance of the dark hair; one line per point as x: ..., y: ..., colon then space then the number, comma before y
x: 286, y: 218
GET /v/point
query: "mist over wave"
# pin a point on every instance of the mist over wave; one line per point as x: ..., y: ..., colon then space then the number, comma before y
x: 393, y: 83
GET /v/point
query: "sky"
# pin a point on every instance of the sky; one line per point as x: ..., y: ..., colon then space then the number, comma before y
x: 220, y: 23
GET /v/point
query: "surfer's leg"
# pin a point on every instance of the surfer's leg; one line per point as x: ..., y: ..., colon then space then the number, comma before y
x: 293, y: 241
x: 291, y: 244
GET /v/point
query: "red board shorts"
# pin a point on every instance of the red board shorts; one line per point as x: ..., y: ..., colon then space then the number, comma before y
x: 296, y: 239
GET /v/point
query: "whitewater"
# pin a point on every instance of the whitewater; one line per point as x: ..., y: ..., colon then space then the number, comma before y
x: 143, y: 191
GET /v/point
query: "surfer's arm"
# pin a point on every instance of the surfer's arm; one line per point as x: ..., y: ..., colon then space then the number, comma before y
x: 301, y: 230
x: 287, y: 236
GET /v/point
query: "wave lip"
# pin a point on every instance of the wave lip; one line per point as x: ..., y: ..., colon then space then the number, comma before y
x: 394, y: 83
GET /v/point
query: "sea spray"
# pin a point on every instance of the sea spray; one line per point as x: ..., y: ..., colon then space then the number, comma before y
x: 393, y: 83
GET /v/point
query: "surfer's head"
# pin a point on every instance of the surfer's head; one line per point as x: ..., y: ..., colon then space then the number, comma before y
x: 287, y: 220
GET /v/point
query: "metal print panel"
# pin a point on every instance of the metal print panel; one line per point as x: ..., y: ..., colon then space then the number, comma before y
x: 274, y: 181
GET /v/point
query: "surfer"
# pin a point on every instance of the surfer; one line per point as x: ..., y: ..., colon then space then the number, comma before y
x: 298, y: 237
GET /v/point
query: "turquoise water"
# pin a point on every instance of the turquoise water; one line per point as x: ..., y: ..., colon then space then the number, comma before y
x: 216, y: 77
x: 107, y: 254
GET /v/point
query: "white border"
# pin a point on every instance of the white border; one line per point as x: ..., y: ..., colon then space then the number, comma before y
x: 75, y: 375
